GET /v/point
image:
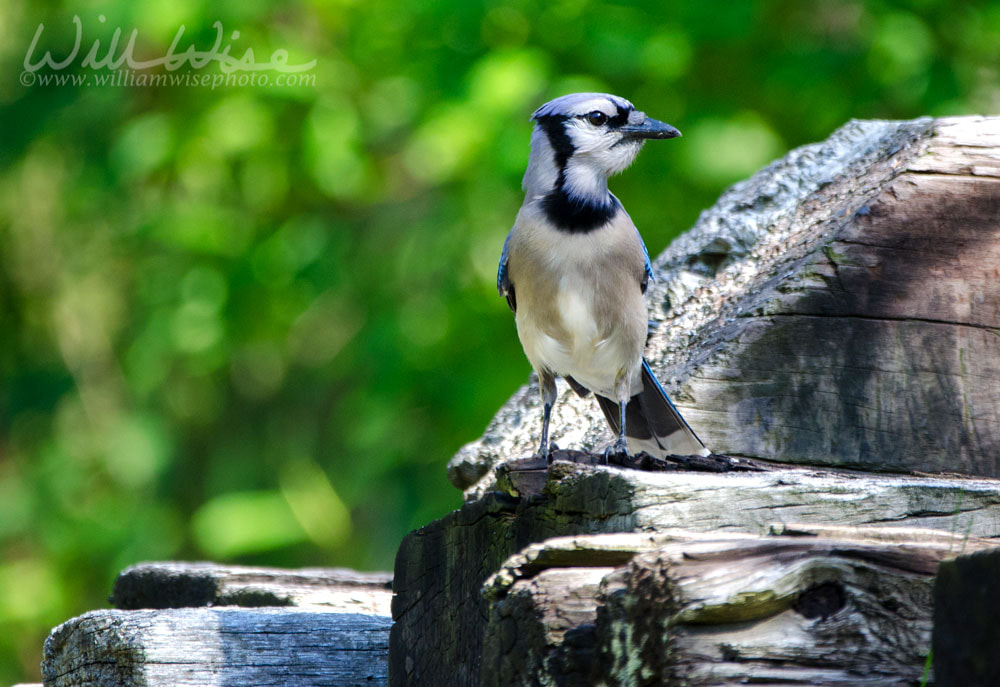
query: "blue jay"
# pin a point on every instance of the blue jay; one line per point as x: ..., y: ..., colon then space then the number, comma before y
x: 574, y: 271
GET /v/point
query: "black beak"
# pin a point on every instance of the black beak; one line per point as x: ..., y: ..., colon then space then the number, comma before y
x: 651, y: 128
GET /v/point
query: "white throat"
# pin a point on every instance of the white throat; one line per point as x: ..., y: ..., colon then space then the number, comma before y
x: 584, y: 182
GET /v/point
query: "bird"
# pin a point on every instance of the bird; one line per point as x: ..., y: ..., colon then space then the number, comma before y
x: 575, y: 270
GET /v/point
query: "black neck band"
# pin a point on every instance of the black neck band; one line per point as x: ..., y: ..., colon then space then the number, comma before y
x: 578, y: 216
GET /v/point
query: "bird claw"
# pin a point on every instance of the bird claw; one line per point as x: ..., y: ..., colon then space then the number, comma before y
x: 547, y: 453
x: 618, y: 451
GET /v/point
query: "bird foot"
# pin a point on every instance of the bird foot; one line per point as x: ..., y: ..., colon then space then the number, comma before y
x: 617, y: 451
x: 547, y: 453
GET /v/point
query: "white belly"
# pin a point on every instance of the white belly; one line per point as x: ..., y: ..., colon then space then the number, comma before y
x: 582, y: 351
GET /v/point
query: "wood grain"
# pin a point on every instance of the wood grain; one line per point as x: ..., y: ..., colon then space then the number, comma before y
x: 201, y: 647
x: 826, y: 606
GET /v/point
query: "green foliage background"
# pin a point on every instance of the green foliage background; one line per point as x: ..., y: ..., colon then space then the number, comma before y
x: 252, y: 324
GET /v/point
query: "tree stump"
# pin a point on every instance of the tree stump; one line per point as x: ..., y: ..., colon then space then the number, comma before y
x: 838, y: 311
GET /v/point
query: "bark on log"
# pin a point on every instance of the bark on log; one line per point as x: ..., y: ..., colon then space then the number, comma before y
x: 228, y: 625
x: 841, y: 307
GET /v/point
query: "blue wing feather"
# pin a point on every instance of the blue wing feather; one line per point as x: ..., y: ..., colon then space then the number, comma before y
x: 649, y: 266
x: 503, y: 281
x: 504, y: 287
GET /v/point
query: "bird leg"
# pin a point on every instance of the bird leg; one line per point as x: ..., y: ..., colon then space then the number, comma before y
x: 620, y: 447
x: 547, y: 386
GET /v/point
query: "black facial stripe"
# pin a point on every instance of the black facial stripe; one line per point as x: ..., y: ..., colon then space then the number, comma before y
x: 562, y: 145
x: 620, y: 119
x: 575, y: 216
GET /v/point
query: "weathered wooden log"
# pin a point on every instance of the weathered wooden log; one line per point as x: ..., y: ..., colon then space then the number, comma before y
x: 217, y: 646
x: 438, y: 606
x: 228, y: 625
x: 841, y: 307
x: 850, y: 606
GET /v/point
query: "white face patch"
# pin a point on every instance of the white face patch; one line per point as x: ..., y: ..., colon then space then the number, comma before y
x: 600, y: 147
x: 586, y: 174
x: 599, y: 152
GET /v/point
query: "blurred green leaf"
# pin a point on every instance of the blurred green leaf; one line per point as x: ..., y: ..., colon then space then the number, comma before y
x: 314, y: 502
x: 144, y: 144
x: 726, y: 150
x: 245, y: 522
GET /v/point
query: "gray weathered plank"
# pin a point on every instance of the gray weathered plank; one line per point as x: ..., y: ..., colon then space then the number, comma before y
x: 210, y: 626
x: 202, y: 647
x: 185, y: 585
x: 625, y: 500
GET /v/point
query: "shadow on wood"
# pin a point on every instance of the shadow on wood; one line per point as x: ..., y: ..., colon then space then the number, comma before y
x: 966, y: 632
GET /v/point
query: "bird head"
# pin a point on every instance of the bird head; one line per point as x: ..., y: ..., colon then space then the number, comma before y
x: 581, y: 139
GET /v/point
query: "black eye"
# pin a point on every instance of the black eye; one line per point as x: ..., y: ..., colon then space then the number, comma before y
x: 597, y: 118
